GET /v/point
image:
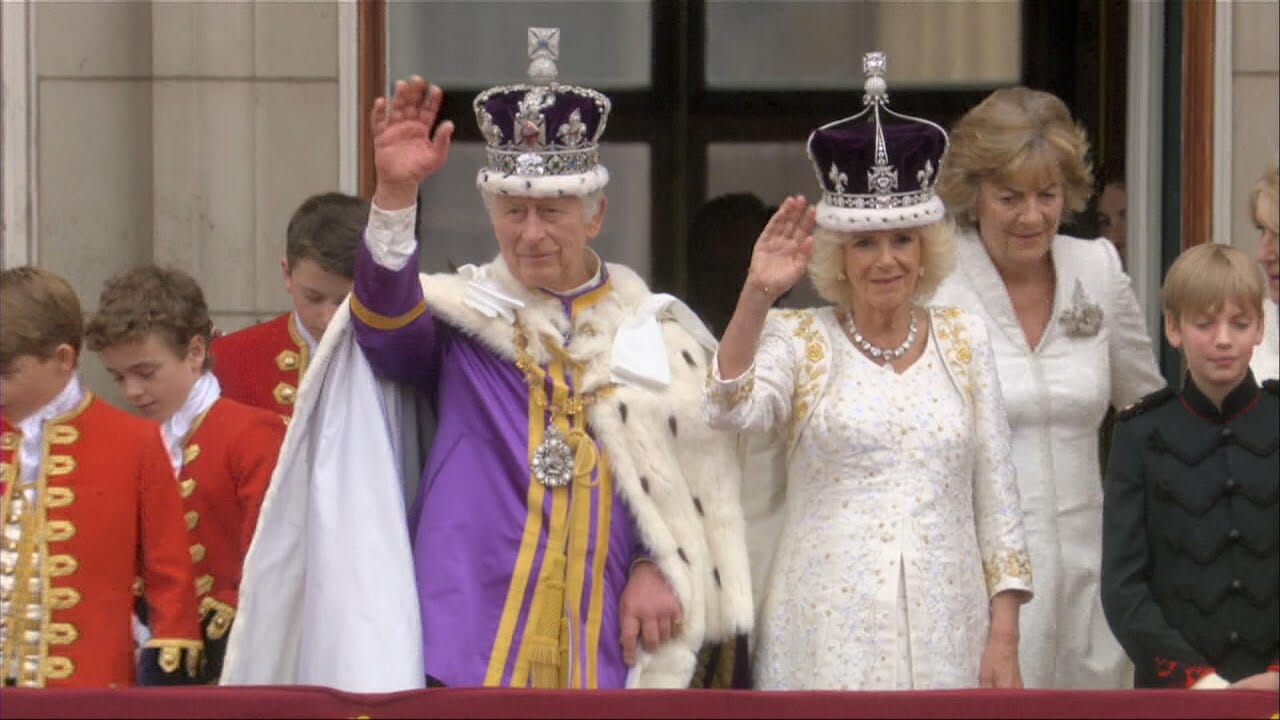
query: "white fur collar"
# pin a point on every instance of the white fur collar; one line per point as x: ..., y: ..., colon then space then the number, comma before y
x: 616, y: 339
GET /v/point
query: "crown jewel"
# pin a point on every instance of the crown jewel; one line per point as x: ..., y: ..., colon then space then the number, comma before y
x: 896, y: 154
x: 542, y: 137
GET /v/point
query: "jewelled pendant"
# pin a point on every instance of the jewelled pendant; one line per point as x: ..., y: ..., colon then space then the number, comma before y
x: 553, y: 460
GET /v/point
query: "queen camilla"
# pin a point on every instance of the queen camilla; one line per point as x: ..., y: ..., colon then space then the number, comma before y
x: 900, y: 560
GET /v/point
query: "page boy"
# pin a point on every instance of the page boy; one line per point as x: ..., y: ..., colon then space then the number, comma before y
x: 89, y: 503
x: 262, y: 365
x: 152, y: 330
x: 1190, y: 571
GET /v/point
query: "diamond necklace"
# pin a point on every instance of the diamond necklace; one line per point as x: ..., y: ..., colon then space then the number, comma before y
x: 880, y: 353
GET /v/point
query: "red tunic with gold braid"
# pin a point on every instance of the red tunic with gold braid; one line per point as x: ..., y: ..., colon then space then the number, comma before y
x: 103, y: 510
x: 262, y: 364
x: 227, y: 460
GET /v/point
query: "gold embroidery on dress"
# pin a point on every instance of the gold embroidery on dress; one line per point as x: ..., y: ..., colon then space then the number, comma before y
x: 811, y: 374
x: 728, y: 398
x: 955, y: 345
x: 1006, y: 564
x: 192, y: 518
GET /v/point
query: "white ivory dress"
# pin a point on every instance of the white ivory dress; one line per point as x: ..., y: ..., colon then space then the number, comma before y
x: 899, y: 493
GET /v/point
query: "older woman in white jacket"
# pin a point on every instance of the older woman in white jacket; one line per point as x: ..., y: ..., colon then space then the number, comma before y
x: 1264, y: 208
x: 1069, y: 341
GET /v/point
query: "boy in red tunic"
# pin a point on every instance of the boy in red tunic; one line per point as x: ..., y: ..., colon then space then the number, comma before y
x: 262, y: 365
x: 88, y: 504
x: 152, y: 330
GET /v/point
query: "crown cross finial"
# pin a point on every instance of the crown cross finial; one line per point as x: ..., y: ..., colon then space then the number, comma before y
x: 874, y: 66
x: 544, y: 51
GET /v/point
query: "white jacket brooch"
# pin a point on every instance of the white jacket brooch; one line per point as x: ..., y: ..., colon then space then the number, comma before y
x: 1084, y: 317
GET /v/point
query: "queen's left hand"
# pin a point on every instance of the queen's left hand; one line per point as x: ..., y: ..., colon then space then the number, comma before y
x: 999, y: 667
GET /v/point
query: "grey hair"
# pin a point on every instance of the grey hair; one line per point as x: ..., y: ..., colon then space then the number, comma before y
x: 590, y: 202
x: 826, y: 265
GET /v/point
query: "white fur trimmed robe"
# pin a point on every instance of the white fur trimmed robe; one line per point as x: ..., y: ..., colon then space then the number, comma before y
x: 328, y: 595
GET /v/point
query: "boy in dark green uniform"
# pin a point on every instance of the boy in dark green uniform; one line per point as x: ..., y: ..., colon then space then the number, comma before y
x: 1190, y: 570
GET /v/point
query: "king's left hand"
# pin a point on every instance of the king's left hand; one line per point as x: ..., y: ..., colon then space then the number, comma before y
x: 648, y: 610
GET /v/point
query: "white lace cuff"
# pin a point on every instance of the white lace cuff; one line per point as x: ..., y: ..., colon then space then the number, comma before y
x: 389, y: 236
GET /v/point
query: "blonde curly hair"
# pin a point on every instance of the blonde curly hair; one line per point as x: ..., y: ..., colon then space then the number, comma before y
x: 1013, y: 133
x: 826, y: 265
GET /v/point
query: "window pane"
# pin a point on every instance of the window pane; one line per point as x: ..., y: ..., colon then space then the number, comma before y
x: 478, y: 43
x: 454, y: 226
x: 802, y: 44
x: 770, y: 171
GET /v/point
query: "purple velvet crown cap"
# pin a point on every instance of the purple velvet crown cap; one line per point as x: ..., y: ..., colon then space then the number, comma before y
x: 542, y: 138
x: 877, y: 169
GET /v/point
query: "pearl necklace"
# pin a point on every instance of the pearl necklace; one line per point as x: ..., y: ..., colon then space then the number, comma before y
x: 879, y: 353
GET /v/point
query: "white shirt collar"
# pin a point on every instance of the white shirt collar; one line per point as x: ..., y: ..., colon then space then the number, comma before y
x: 306, y: 335
x: 595, y: 279
x: 204, y: 393
x: 32, y: 427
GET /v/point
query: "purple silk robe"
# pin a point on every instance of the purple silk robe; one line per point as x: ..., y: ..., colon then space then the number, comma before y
x: 480, y: 527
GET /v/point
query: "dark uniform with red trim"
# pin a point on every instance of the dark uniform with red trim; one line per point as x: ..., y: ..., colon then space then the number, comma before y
x: 103, y: 509
x: 1190, y: 566
x: 262, y: 365
x: 227, y: 461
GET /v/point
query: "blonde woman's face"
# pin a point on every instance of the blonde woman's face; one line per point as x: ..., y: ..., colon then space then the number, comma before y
x: 1017, y: 220
x: 883, y: 267
x: 1265, y: 217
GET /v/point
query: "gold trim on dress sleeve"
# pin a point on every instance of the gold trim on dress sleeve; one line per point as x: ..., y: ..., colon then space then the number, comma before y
x: 1006, y: 564
x: 725, y: 397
